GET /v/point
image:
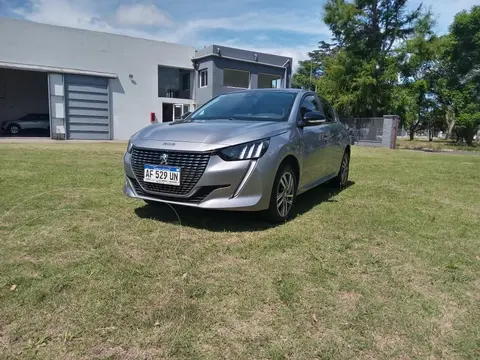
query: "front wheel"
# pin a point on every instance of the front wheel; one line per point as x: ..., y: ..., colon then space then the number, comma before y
x: 283, y: 195
x: 13, y: 129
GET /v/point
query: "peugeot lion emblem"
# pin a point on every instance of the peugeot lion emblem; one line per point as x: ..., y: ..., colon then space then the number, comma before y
x: 163, y: 159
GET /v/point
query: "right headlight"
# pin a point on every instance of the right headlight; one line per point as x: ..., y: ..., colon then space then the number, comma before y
x: 248, y: 151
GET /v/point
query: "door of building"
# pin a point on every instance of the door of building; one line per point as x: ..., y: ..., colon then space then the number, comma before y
x: 174, y: 112
x: 180, y: 110
x: 88, y: 108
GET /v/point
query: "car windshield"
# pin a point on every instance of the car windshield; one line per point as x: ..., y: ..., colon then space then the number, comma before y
x: 248, y: 105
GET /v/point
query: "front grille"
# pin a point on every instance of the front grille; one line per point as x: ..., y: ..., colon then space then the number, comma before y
x: 192, y: 166
x: 196, y: 198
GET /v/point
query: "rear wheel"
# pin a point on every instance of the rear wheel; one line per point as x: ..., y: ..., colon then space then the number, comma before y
x: 13, y: 129
x: 341, y: 180
x: 283, y: 195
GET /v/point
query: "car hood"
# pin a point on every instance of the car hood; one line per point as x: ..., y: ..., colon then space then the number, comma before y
x: 211, y: 132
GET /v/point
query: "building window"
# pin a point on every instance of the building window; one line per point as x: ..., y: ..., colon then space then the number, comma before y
x: 174, y: 82
x: 236, y: 78
x: 203, y: 78
x: 269, y: 81
x: 186, y: 82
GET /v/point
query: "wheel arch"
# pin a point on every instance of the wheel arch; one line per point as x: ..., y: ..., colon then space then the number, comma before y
x: 294, y: 163
x: 13, y: 124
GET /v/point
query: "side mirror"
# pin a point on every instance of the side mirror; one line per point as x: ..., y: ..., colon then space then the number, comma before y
x: 312, y: 118
x: 186, y: 114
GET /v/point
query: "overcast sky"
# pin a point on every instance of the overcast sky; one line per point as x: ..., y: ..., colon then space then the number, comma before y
x: 289, y: 28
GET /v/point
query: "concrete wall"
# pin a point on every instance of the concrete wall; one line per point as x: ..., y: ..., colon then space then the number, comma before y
x: 390, y: 128
x: 22, y: 92
x: 133, y: 99
x: 57, y: 106
x: 364, y: 130
x: 202, y: 95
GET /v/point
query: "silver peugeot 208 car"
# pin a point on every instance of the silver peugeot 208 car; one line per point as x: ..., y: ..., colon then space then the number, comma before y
x: 252, y: 150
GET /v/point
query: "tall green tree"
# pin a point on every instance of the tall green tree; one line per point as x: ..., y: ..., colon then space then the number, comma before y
x: 362, y: 75
x: 418, y: 60
x: 465, y: 33
x: 464, y: 81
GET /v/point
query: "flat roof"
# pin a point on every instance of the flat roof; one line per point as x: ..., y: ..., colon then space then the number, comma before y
x: 54, y: 69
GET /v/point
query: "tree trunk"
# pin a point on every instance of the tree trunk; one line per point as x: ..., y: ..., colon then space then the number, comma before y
x: 458, y: 137
x: 412, y: 133
x: 374, y: 108
x: 450, y: 119
x: 469, y: 139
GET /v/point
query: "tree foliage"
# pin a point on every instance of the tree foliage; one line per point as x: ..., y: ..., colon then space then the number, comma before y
x: 366, y: 31
x: 385, y: 58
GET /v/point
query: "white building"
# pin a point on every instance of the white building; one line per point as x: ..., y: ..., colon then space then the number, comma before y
x: 101, y: 86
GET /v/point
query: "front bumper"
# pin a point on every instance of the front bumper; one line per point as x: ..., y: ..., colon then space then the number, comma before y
x: 228, y: 185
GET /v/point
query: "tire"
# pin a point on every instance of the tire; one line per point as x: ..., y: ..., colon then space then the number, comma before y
x: 14, y: 129
x: 341, y: 180
x: 285, y: 183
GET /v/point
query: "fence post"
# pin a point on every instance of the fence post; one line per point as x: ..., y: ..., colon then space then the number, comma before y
x: 390, y: 125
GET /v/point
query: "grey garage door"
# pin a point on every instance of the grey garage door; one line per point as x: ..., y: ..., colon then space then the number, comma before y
x: 87, y: 107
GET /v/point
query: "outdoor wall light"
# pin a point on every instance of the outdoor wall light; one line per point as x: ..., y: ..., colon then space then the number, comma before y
x: 132, y: 80
x: 255, y: 56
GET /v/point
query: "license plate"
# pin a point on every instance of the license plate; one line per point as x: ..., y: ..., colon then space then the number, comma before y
x: 161, y: 174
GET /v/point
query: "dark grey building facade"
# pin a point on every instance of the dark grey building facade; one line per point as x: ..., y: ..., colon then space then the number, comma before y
x: 220, y: 69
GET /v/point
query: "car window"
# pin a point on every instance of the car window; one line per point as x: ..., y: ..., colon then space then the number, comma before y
x: 328, y: 111
x: 310, y: 103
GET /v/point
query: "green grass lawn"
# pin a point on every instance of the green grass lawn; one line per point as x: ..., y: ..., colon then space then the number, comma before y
x: 436, y: 144
x: 387, y: 269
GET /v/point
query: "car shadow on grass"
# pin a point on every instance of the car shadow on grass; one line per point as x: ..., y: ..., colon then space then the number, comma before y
x: 235, y: 221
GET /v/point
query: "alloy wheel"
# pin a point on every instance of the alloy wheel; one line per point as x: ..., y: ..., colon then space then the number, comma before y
x: 14, y: 130
x: 285, y: 193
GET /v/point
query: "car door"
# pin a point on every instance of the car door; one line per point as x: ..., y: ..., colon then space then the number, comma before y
x: 313, y: 144
x: 27, y: 122
x: 334, y: 148
x: 42, y: 121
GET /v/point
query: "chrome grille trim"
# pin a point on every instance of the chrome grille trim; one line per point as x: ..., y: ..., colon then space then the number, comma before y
x: 192, y: 166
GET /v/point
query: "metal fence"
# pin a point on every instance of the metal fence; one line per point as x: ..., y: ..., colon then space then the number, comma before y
x: 375, y: 131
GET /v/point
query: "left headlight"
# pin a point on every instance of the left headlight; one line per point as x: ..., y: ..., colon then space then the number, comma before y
x: 249, y: 151
x: 129, y: 146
